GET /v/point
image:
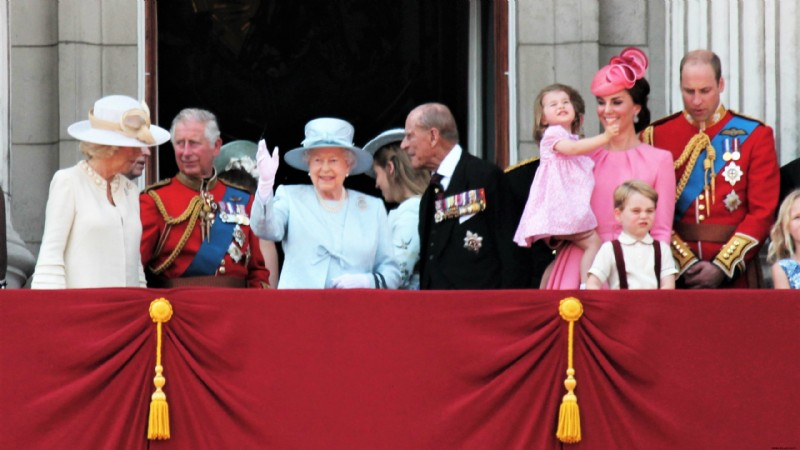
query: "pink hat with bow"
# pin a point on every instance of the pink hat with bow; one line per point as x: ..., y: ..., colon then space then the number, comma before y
x: 620, y: 73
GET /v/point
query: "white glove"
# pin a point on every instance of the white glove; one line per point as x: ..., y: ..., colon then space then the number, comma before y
x: 353, y: 281
x: 267, y: 167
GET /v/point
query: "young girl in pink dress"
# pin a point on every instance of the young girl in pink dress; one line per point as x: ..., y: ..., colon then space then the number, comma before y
x: 558, y: 203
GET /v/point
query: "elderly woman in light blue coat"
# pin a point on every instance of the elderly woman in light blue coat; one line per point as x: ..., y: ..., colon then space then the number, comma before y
x: 332, y: 237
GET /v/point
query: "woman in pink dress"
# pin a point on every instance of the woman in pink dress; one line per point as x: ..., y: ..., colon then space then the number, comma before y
x: 564, y: 176
x: 621, y: 91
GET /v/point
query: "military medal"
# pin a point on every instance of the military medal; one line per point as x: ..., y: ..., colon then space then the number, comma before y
x: 473, y: 242
x: 461, y: 204
x: 238, y: 235
x: 732, y: 201
x: 733, y: 173
x: 235, y: 252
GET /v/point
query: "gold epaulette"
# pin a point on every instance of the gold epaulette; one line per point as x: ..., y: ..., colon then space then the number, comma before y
x: 733, y: 252
x: 234, y: 185
x: 647, y: 135
x: 666, y: 119
x: 683, y: 255
x: 521, y: 163
x: 158, y: 184
x: 746, y: 117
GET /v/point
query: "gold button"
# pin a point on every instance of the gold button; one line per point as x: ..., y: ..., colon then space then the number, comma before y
x: 701, y: 207
x: 701, y: 197
x: 222, y: 270
x: 222, y: 263
x: 701, y: 217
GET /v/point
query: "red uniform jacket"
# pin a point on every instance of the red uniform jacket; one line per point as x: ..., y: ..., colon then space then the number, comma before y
x: 742, y: 210
x: 172, y: 200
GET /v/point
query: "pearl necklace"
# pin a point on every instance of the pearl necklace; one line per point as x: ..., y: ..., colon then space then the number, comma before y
x: 98, y: 180
x: 332, y: 205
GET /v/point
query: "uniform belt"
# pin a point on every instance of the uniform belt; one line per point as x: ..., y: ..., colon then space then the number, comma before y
x: 695, y: 232
x: 209, y: 280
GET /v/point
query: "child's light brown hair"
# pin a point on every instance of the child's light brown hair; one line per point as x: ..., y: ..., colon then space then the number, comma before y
x: 625, y: 190
x: 538, y: 110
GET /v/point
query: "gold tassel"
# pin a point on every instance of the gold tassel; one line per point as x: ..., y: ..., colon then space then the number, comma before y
x: 569, y: 418
x: 158, y: 425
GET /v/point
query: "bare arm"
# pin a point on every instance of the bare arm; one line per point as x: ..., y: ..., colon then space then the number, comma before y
x: 668, y: 282
x: 779, y: 278
x: 593, y: 282
x: 587, y: 145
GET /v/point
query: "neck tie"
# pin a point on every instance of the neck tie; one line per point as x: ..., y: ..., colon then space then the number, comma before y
x: 436, y: 183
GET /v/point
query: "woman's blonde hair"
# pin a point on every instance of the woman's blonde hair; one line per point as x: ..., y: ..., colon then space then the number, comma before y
x: 404, y: 176
x: 99, y: 151
x: 538, y: 110
x: 782, y: 245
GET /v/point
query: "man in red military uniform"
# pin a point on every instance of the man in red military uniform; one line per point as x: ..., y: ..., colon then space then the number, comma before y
x: 727, y: 181
x: 196, y: 228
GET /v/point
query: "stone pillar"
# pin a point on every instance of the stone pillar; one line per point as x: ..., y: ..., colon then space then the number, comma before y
x: 63, y: 56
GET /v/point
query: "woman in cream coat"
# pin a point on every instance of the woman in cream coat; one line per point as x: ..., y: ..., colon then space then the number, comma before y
x: 92, y: 227
x: 332, y: 237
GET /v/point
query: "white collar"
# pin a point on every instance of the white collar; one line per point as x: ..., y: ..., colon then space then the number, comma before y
x: 448, y: 165
x: 627, y: 239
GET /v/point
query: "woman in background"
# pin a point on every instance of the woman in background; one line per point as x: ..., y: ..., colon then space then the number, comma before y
x: 400, y: 183
x: 92, y: 229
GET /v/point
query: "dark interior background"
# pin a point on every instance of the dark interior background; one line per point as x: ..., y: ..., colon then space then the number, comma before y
x: 265, y: 68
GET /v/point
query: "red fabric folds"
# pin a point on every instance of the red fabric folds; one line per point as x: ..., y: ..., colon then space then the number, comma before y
x: 399, y: 370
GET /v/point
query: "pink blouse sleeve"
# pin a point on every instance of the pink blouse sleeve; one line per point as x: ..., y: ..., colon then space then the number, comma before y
x: 664, y: 184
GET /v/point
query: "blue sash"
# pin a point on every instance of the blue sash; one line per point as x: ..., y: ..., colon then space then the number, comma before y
x: 212, y: 251
x: 695, y: 184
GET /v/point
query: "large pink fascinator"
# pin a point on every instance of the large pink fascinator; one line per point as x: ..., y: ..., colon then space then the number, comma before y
x: 620, y: 73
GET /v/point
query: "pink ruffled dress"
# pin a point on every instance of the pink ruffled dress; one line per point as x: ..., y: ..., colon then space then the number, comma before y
x: 559, y: 200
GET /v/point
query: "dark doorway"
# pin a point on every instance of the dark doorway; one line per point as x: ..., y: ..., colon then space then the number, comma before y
x: 266, y: 68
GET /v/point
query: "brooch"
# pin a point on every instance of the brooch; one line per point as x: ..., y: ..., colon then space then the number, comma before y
x: 732, y: 201
x: 733, y: 173
x: 473, y: 242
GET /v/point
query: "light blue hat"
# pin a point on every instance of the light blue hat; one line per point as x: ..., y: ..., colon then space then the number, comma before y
x: 328, y: 132
x: 381, y: 140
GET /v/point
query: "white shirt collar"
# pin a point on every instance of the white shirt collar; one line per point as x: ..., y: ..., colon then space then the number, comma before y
x: 627, y: 239
x: 448, y: 165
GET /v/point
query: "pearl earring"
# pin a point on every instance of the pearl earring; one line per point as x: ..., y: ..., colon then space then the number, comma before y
x: 636, y: 119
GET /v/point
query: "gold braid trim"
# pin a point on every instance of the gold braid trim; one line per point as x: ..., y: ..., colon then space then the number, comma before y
x: 733, y: 252
x: 192, y: 212
x: 683, y: 255
x: 697, y: 144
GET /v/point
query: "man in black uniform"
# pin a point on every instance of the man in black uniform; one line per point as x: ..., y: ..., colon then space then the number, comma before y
x: 463, y: 243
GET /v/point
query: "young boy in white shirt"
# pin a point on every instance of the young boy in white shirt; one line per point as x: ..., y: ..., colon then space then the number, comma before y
x: 635, y: 260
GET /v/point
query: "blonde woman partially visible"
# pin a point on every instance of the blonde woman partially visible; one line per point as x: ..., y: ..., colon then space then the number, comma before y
x: 92, y: 227
x: 402, y: 184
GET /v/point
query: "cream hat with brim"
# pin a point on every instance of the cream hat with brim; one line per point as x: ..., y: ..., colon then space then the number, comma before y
x: 120, y: 121
x: 327, y: 132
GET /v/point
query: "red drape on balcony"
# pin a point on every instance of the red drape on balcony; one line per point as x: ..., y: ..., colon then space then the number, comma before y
x: 400, y: 370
